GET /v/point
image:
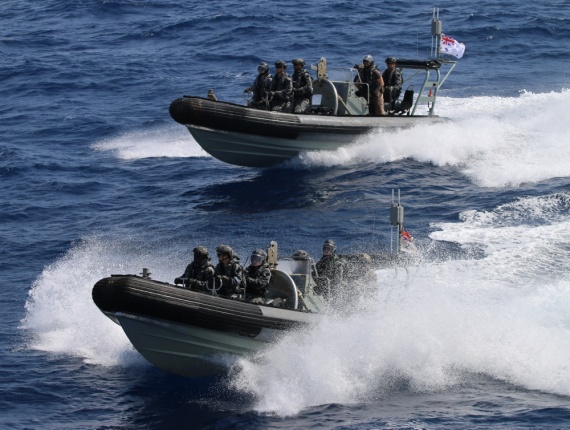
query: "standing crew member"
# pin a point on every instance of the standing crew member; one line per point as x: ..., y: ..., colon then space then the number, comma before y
x: 392, y: 82
x: 329, y: 270
x: 369, y: 74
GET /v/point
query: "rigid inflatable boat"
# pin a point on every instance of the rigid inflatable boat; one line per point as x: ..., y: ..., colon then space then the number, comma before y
x: 190, y: 333
x: 337, y: 116
x: 194, y: 333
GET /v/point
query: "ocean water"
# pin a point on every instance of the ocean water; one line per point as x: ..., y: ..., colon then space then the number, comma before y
x: 98, y: 179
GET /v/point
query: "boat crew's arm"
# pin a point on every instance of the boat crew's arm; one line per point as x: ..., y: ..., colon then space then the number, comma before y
x: 287, y: 91
x: 202, y: 284
x: 182, y: 278
x: 306, y: 85
x: 258, y: 285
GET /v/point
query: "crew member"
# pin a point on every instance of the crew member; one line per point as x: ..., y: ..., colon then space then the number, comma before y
x: 260, y: 87
x: 257, y: 276
x: 228, y: 280
x: 198, y: 272
x: 281, y: 89
x: 302, y: 87
x: 392, y: 82
x: 369, y: 74
x: 329, y: 270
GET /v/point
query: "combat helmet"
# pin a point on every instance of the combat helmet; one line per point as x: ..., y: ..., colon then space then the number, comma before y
x: 224, y: 249
x: 390, y: 60
x: 300, y: 255
x: 369, y: 58
x: 329, y: 244
x: 280, y: 63
x: 258, y: 257
x: 298, y: 61
x: 200, y: 253
x: 262, y: 67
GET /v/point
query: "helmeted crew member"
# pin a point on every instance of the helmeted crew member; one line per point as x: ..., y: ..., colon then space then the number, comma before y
x: 392, y: 81
x: 302, y: 86
x: 198, y: 272
x: 260, y: 87
x: 281, y: 89
x: 228, y: 272
x: 329, y: 270
x: 257, y: 276
x: 369, y: 74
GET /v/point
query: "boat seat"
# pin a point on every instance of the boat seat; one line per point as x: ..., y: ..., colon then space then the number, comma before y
x: 407, y: 102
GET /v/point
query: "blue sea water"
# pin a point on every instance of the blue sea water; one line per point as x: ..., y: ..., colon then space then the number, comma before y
x: 98, y: 179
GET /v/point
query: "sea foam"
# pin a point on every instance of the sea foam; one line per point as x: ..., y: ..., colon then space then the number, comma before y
x: 495, y: 141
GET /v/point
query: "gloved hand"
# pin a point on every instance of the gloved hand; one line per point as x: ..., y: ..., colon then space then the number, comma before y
x: 271, y: 93
x: 247, y: 90
x: 359, y: 66
x: 177, y: 281
x: 388, y: 88
x: 190, y: 282
x: 226, y: 282
x: 249, y: 280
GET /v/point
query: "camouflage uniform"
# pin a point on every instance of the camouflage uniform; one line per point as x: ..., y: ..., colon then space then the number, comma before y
x: 231, y: 276
x: 260, y: 87
x: 281, y: 92
x: 329, y: 271
x: 197, y: 273
x: 392, y: 84
x: 302, y: 90
x: 257, y: 279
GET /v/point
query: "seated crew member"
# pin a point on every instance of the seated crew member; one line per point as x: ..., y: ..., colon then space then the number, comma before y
x: 302, y: 87
x: 260, y: 87
x: 257, y: 276
x: 228, y: 274
x: 281, y: 89
x: 198, y: 272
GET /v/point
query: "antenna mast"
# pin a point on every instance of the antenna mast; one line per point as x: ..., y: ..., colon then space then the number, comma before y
x: 396, y: 220
x: 436, y: 31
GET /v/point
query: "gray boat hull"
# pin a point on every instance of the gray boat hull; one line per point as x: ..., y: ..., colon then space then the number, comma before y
x: 185, y: 350
x: 193, y: 333
x: 249, y: 137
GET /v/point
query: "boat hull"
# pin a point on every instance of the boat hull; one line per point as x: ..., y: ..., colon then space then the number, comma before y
x: 186, y: 332
x: 250, y: 150
x: 185, y: 350
x: 250, y: 137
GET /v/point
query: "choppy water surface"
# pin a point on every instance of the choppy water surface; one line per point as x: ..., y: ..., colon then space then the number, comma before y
x: 97, y: 179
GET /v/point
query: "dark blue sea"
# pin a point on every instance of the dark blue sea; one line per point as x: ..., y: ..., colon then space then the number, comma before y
x: 96, y: 179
